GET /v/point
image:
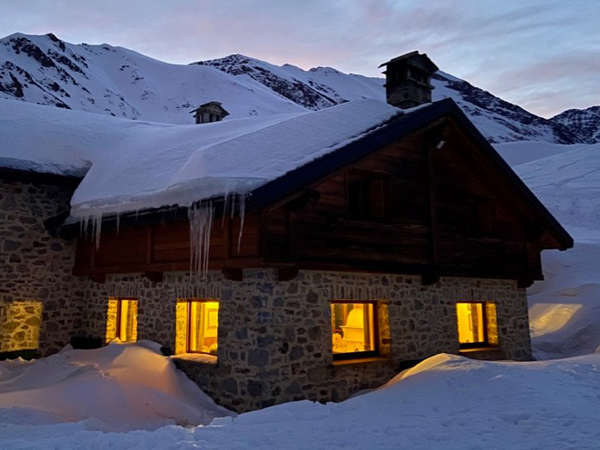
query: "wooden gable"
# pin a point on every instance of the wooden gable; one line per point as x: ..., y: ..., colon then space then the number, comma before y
x: 440, y: 209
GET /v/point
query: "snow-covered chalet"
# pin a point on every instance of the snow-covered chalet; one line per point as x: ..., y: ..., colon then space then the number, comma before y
x: 296, y: 256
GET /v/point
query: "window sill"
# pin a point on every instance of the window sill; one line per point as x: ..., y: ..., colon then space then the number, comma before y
x: 200, y: 358
x: 373, y: 359
x: 484, y: 353
x: 480, y: 349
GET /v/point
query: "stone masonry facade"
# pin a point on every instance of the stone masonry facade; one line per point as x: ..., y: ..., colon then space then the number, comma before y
x: 275, y: 336
x: 39, y: 297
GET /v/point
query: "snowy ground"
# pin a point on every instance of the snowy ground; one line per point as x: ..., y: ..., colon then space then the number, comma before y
x: 447, y: 402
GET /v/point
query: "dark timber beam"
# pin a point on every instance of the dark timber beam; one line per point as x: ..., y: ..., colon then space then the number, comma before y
x: 98, y: 277
x: 155, y: 277
x: 288, y: 273
x: 233, y: 274
x: 523, y: 283
x: 433, y: 141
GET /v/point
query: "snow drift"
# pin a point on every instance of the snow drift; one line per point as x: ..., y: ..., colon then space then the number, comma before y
x: 117, y: 387
x: 447, y: 402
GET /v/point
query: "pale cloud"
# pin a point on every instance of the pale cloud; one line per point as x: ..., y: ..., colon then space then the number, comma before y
x: 525, y: 51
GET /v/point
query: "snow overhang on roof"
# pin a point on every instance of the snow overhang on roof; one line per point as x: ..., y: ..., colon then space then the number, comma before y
x: 180, y: 165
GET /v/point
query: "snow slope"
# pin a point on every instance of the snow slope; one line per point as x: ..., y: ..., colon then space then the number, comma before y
x: 120, y: 82
x: 447, y: 402
x: 117, y: 387
x: 565, y: 308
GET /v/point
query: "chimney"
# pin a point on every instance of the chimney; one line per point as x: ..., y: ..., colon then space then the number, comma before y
x: 408, y: 80
x: 209, y: 112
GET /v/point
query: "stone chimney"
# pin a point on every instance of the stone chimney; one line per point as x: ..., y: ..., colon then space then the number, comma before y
x: 408, y: 80
x: 209, y: 112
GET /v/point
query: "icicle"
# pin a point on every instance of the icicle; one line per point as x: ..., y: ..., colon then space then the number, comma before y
x: 200, y: 218
x: 242, y: 209
x: 225, y: 205
x: 97, y: 229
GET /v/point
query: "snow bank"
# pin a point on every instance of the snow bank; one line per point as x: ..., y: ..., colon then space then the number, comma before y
x: 447, y: 402
x: 117, y: 387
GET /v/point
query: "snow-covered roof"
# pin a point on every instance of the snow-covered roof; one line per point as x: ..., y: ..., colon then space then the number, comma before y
x: 138, y: 165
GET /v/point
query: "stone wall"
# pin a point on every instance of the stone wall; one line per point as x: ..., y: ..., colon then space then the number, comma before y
x: 35, y: 268
x: 275, y: 336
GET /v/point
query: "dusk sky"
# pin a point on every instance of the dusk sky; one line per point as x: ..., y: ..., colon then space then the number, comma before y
x: 543, y: 55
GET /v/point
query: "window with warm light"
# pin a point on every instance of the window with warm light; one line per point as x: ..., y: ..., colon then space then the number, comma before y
x: 477, y: 325
x: 197, y: 326
x: 127, y: 319
x: 353, y: 326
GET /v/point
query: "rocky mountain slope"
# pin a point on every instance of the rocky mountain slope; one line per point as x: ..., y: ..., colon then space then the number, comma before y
x: 585, y: 123
x: 120, y: 82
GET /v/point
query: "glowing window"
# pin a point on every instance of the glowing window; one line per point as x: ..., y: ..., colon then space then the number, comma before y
x: 353, y: 329
x: 202, y: 326
x: 477, y: 324
x: 127, y: 319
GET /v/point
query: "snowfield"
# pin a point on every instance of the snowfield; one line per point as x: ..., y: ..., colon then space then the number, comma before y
x: 447, y: 402
x: 115, y: 388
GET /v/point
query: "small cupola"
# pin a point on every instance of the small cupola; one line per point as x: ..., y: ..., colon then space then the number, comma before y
x: 408, y: 80
x: 210, y: 112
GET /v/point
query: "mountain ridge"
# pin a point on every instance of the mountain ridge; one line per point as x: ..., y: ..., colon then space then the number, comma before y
x: 117, y: 81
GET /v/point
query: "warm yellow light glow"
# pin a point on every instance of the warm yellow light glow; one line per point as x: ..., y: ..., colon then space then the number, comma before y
x: 122, y: 319
x: 545, y: 318
x: 20, y: 323
x: 128, y: 320
x: 197, y: 326
x: 181, y: 326
x: 352, y: 326
x: 491, y: 323
x: 204, y: 321
x: 112, y: 314
x: 470, y: 323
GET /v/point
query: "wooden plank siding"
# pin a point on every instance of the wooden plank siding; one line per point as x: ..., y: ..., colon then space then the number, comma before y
x: 319, y: 234
x: 166, y: 247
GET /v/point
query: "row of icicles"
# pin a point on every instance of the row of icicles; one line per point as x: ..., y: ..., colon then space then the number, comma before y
x: 200, y: 216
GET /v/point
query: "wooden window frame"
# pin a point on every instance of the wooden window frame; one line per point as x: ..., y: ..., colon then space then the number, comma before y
x: 120, y: 301
x: 361, y: 355
x: 486, y: 341
x: 369, y: 211
x: 188, y: 336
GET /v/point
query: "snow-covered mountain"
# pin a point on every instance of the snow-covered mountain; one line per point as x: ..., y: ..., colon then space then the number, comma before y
x: 499, y: 120
x: 314, y: 89
x: 585, y: 123
x: 120, y: 82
